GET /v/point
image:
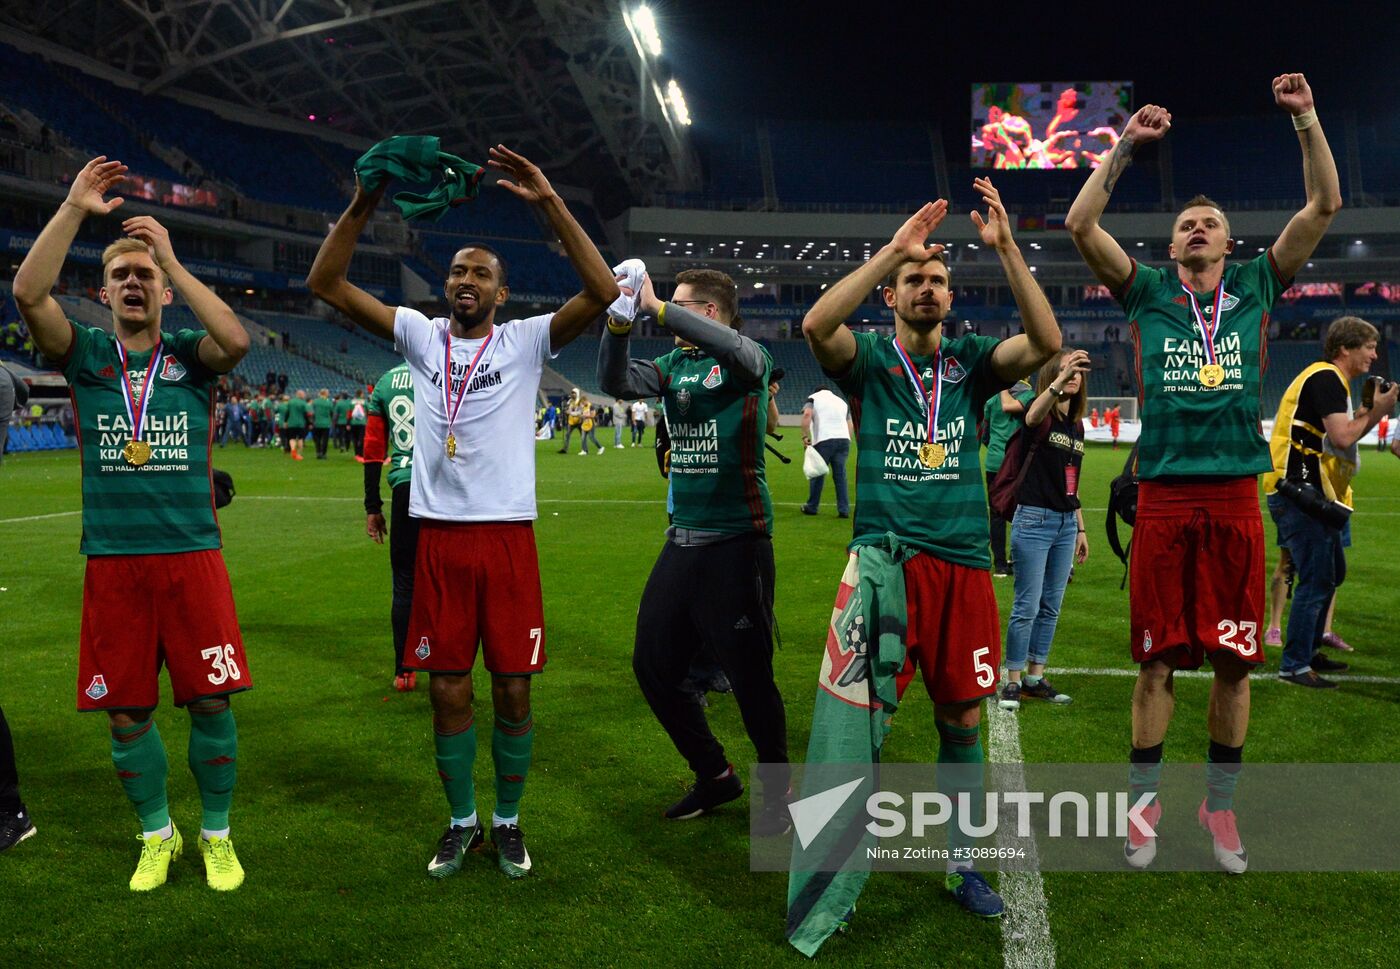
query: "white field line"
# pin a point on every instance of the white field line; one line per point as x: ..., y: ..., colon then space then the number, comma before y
x: 1206, y: 674
x: 1026, y: 942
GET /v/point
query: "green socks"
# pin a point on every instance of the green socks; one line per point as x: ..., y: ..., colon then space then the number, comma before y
x: 139, y: 757
x: 1144, y: 772
x: 213, y: 759
x: 456, y: 755
x: 960, y: 770
x: 511, y: 743
x: 1223, y: 766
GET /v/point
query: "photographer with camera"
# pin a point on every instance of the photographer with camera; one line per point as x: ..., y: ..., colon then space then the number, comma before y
x: 1315, y: 455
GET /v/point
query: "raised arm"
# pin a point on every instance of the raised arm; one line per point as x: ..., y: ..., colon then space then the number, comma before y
x: 47, y: 323
x: 1344, y: 430
x: 1105, y: 257
x: 227, y: 342
x: 1014, y: 358
x: 327, y: 278
x: 618, y: 374
x: 1071, y: 364
x: 824, y: 326
x: 1305, y: 230
x: 528, y: 183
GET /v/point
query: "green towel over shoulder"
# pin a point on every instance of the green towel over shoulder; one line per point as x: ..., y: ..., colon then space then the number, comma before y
x: 418, y: 159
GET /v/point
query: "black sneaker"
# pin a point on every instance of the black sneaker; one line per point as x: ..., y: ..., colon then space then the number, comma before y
x: 1043, y: 691
x: 1309, y: 679
x: 1001, y: 570
x: 1325, y: 664
x: 1010, y: 696
x: 14, y: 828
x: 452, y: 848
x: 808, y: 511
x: 706, y: 795
x: 511, y: 855
x: 773, y: 818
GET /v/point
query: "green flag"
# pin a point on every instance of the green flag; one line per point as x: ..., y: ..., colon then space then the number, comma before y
x: 856, y: 701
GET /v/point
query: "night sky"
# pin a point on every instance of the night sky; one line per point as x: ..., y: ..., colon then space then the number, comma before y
x: 905, y: 61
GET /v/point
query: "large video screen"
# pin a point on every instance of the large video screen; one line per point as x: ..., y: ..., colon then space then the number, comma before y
x: 1052, y: 124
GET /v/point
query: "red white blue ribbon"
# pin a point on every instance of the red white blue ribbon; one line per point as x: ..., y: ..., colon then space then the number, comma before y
x: 136, y: 407
x: 1207, y: 332
x: 928, y: 400
x: 448, y: 407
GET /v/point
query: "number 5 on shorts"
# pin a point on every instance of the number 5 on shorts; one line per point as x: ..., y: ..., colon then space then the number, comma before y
x: 225, y: 666
x: 986, y: 676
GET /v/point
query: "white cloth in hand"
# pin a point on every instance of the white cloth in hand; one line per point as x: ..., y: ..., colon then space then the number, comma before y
x: 629, y: 274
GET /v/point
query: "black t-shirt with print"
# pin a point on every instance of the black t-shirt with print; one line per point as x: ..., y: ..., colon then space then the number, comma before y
x: 1052, y: 481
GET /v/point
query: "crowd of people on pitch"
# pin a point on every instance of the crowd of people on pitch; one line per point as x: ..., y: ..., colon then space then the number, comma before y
x: 915, y: 594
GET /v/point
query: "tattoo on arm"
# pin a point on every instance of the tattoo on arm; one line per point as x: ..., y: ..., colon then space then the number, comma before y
x: 1122, y: 158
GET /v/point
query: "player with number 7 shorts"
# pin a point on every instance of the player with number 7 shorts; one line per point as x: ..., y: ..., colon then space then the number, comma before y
x: 476, y: 580
x: 155, y: 592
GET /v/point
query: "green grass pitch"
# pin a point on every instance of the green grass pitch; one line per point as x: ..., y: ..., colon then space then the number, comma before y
x: 338, y: 806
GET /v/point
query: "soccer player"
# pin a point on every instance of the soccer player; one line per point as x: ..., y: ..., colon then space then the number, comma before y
x: 15, y: 823
x: 712, y: 586
x: 389, y: 440
x: 358, y: 416
x: 155, y: 591
x: 917, y: 396
x: 1197, y: 569
x: 279, y: 421
x: 341, y: 416
x: 321, y: 409
x: 296, y: 416
x: 477, y: 573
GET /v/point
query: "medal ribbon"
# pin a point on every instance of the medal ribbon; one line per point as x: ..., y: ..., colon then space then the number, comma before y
x: 1207, y: 333
x: 136, y: 412
x: 448, y: 407
x: 928, y: 401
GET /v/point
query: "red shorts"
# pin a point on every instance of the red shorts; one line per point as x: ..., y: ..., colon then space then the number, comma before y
x: 476, y: 582
x: 1197, y: 572
x: 954, y: 630
x: 144, y: 611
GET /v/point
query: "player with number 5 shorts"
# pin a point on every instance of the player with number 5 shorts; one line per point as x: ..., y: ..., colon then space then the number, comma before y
x: 477, y: 579
x: 1199, y: 332
x: 920, y: 555
x: 155, y: 592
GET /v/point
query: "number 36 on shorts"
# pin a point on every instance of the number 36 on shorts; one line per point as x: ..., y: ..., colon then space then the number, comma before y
x: 224, y: 662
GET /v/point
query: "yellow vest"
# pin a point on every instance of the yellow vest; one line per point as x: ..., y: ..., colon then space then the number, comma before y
x: 1337, y: 470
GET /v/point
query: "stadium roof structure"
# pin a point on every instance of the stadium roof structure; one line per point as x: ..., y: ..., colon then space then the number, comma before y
x: 559, y: 79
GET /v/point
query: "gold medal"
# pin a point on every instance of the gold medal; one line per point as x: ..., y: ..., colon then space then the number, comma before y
x: 136, y: 452
x: 451, y: 446
x: 1212, y: 375
x: 932, y: 455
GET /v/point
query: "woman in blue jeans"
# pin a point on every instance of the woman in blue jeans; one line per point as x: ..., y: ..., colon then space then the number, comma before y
x: 1047, y: 532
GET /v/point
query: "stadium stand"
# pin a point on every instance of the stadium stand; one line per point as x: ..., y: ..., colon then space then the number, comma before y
x: 346, y: 349
x: 31, y: 83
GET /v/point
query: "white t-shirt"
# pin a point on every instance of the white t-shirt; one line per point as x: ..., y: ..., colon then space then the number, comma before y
x: 492, y: 478
x: 829, y: 415
x: 639, y: 411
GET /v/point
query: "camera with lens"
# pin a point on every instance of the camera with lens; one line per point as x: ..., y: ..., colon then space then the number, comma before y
x: 1373, y: 386
x: 1314, y: 503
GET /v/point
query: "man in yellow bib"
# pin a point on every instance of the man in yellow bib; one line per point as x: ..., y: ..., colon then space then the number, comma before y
x: 1315, y: 455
